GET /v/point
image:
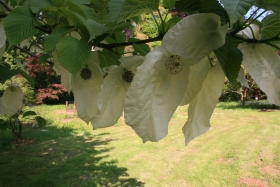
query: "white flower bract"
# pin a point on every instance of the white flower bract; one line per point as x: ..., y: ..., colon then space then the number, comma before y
x: 203, y: 105
x: 262, y: 63
x: 242, y: 79
x: 156, y: 92
x: 114, y: 88
x: 12, y: 100
x: 86, y: 91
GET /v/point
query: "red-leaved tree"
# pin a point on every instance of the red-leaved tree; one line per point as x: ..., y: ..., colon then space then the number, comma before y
x: 46, y: 83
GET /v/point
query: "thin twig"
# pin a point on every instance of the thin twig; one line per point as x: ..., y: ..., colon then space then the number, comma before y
x: 6, y: 6
x: 31, y: 54
x: 110, y: 46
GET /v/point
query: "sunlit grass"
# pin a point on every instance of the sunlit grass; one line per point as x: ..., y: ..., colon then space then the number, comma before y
x: 242, y: 148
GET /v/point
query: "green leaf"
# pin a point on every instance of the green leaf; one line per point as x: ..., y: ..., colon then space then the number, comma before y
x: 29, y: 113
x: 108, y: 58
x: 276, y: 43
x: 120, y: 27
x: 36, y: 5
x: 168, y: 4
x: 213, y: 6
x: 52, y: 39
x: 59, y: 3
x: 233, y: 41
x: 95, y: 29
x: 187, y: 6
x: 273, y: 5
x: 169, y: 24
x: 44, y: 57
x: 141, y: 49
x: 77, y: 9
x: 120, y: 10
x: 275, y: 8
x: 101, y: 7
x: 270, y: 26
x: 202, y: 6
x: 237, y: 8
x: 76, y: 18
x: 90, y: 14
x: 230, y: 59
x: 73, y: 53
x: 40, y: 121
x: 19, y: 25
x: 117, y: 37
x: 84, y: 2
x: 7, y: 73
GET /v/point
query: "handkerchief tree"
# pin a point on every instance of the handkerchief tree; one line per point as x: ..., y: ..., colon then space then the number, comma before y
x: 202, y: 42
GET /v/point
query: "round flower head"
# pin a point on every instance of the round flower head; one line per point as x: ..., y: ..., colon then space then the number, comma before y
x: 161, y: 81
x: 12, y: 100
x: 114, y: 88
x: 263, y: 64
x: 86, y: 86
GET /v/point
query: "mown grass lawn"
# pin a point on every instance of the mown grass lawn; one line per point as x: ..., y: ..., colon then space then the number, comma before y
x: 242, y: 148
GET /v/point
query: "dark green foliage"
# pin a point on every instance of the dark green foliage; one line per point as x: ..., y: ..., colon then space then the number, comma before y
x: 231, y: 92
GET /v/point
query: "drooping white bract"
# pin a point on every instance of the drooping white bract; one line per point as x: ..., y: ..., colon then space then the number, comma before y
x: 86, y: 86
x: 113, y: 92
x: 12, y: 99
x: 161, y: 81
x: 197, y: 75
x: 66, y: 76
x: 262, y: 63
x: 2, y: 34
x: 203, y: 105
x: 242, y: 79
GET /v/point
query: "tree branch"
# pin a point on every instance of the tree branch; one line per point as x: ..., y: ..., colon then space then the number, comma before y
x: 31, y: 54
x: 110, y: 46
x: 255, y: 40
x: 6, y: 6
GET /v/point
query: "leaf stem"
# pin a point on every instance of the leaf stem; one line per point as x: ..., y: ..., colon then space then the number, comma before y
x: 250, y: 18
x: 162, y: 22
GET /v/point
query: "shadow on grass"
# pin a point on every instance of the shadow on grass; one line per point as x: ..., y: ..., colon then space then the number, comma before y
x: 59, y: 157
x: 262, y: 105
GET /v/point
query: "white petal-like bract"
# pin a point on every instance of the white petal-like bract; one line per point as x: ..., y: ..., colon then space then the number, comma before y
x: 260, y: 70
x: 241, y: 78
x: 153, y: 97
x: 202, y: 107
x: 111, y: 99
x: 195, y: 36
x: 113, y: 92
x: 198, y: 73
x: 12, y: 99
x: 86, y: 91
